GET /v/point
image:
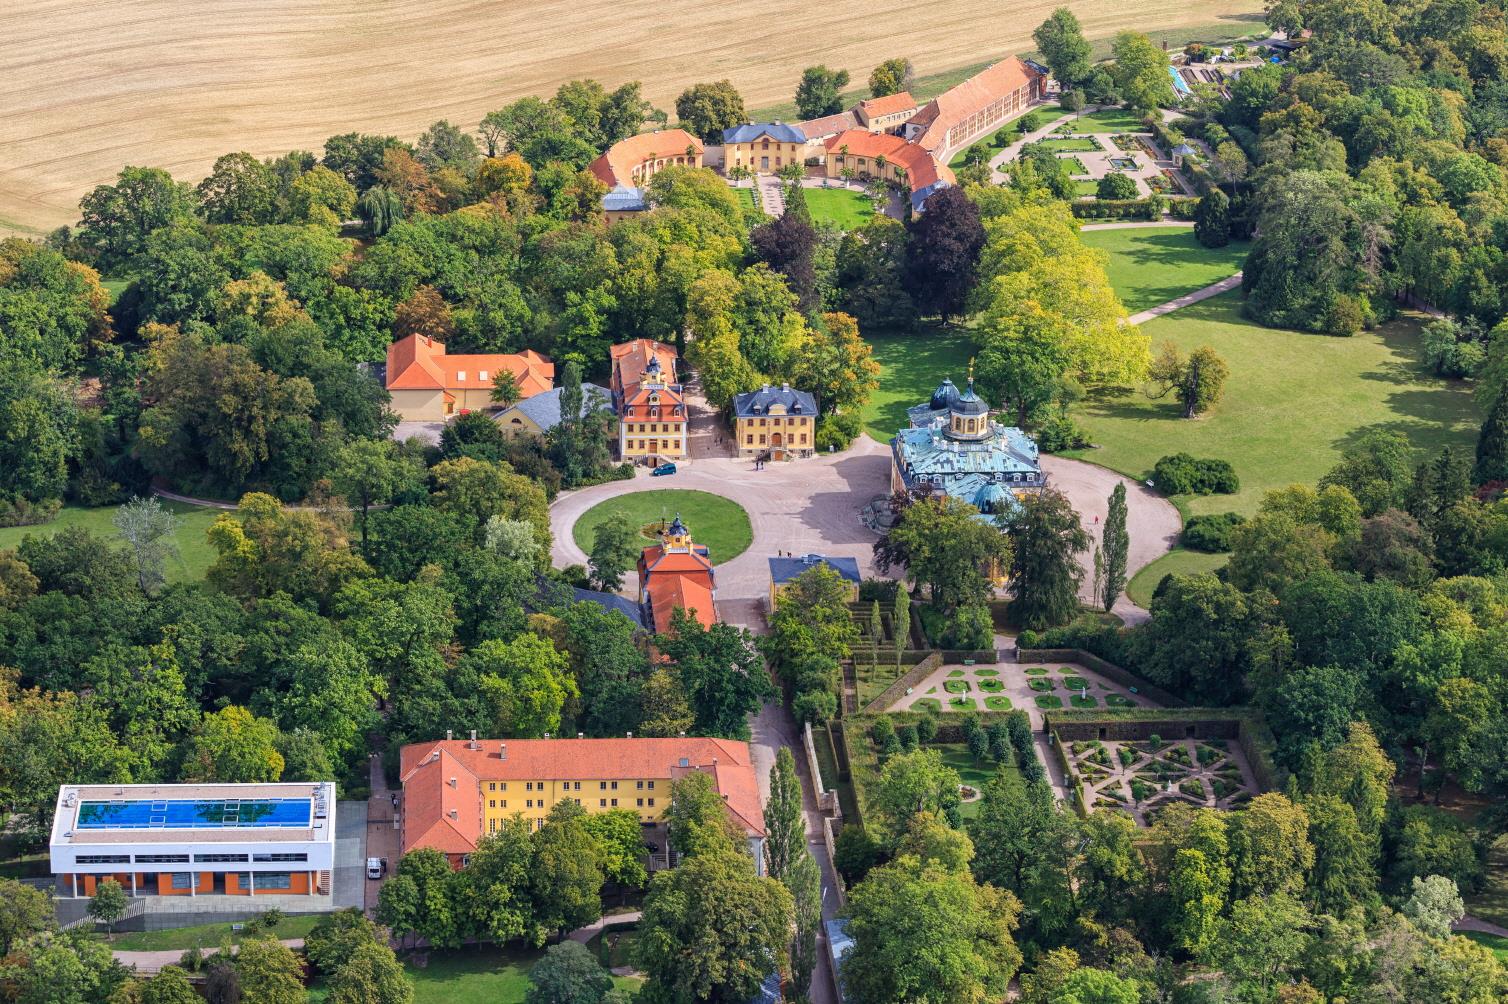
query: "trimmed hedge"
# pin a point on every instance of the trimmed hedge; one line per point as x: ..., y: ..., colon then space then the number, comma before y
x: 1181, y: 474
x: 1183, y: 207
x: 1119, y: 209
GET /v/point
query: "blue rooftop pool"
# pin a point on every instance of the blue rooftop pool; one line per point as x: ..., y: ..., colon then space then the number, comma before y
x: 194, y: 814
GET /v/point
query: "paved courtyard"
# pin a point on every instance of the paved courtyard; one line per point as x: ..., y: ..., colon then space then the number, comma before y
x: 813, y: 505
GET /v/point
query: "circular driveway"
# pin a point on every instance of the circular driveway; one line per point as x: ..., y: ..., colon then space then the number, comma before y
x: 812, y: 506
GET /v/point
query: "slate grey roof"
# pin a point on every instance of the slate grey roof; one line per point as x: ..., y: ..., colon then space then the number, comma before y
x: 986, y: 473
x: 758, y: 402
x: 778, y: 131
x: 544, y: 409
x: 612, y: 601
x: 783, y: 570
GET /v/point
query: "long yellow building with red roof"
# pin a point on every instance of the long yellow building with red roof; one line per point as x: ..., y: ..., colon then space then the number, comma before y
x: 457, y: 791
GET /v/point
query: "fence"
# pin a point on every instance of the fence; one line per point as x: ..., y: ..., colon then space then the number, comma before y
x: 1109, y: 670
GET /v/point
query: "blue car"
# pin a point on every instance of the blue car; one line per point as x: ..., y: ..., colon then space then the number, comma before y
x: 662, y: 470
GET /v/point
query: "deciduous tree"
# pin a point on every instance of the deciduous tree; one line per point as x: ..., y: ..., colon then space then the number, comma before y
x: 1046, y: 540
x: 820, y: 92
x: 1064, y: 48
x: 890, y: 77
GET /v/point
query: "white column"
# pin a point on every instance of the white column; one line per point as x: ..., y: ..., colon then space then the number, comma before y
x: 133, y: 883
x: 310, y: 876
x: 251, y: 882
x: 75, y: 877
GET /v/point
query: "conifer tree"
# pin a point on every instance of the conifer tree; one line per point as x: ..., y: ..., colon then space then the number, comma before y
x: 1492, y: 444
x: 1117, y: 546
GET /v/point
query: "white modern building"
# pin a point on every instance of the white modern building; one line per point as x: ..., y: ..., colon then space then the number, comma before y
x: 195, y: 839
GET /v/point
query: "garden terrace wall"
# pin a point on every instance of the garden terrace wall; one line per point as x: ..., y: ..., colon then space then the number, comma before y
x: 1244, y: 725
x: 1109, y: 670
x: 913, y: 676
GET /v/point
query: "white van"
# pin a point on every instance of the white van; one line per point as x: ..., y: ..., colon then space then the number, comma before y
x: 375, y: 868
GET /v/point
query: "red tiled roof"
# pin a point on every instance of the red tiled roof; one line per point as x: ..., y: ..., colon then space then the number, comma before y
x: 630, y: 360
x: 962, y: 100
x: 426, y: 770
x: 420, y: 363
x: 890, y: 104
x: 828, y: 125
x: 616, y: 166
x: 922, y: 169
x: 429, y: 800
x: 690, y: 592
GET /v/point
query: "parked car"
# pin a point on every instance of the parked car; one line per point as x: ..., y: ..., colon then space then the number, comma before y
x: 376, y: 867
x: 662, y: 471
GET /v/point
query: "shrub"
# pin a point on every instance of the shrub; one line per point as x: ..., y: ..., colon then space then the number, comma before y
x: 877, y: 589
x: 815, y: 706
x: 926, y: 729
x: 972, y: 628
x: 855, y: 853
x: 1028, y: 122
x: 881, y: 730
x: 908, y: 737
x: 890, y: 747
x: 270, y: 918
x: 1028, y: 639
x: 1071, y: 101
x: 836, y: 431
x: 1210, y: 533
x: 1000, y: 741
x: 1116, y: 185
x: 1181, y: 474
x: 979, y: 744
x: 1060, y: 433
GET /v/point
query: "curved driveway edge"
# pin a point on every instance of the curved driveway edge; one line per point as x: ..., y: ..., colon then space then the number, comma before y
x: 806, y: 506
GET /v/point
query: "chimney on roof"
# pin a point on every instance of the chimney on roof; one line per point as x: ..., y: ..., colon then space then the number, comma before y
x: 472, y: 744
x: 453, y: 782
x: 449, y: 735
x: 683, y: 734
x: 547, y: 735
x: 630, y: 735
x: 453, y: 814
x: 502, y: 751
x: 581, y: 735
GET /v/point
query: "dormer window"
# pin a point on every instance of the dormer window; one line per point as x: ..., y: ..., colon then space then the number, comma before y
x: 460, y: 376
x: 482, y: 376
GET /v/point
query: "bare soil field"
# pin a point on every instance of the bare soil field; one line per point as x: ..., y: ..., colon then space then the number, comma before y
x: 91, y: 85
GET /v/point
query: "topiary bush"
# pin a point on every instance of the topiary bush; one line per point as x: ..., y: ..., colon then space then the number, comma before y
x: 1210, y: 533
x: 1116, y: 185
x: 1181, y: 474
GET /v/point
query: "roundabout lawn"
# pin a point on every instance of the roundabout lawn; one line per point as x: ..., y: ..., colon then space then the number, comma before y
x: 720, y: 524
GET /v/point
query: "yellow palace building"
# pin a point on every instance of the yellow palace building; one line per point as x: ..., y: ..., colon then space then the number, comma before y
x: 457, y: 791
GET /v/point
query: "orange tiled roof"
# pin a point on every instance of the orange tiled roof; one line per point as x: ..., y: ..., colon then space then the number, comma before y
x: 616, y: 166
x: 429, y: 800
x: 687, y: 591
x: 630, y: 360
x: 890, y: 104
x: 959, y: 102
x: 922, y: 170
x: 420, y: 363
x: 426, y: 770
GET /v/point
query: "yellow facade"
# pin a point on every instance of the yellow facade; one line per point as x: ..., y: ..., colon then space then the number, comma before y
x: 763, y: 155
x: 794, y: 435
x: 864, y: 168
x: 514, y: 422
x: 652, y: 439
x: 645, y: 797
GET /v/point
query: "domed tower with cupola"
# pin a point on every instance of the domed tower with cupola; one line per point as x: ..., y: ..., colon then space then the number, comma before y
x: 969, y: 417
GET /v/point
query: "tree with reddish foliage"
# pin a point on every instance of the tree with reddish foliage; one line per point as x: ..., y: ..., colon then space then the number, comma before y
x: 942, y: 255
x: 786, y: 245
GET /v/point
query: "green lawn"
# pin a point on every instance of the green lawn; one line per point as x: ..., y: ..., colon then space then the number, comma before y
x: 205, y: 935
x: 842, y: 206
x: 721, y: 524
x: 193, y: 547
x: 1292, y: 403
x: 1109, y: 120
x: 974, y: 773
x: 912, y: 364
x: 483, y: 975
x: 1496, y: 944
x: 1086, y: 188
x: 1175, y: 562
x: 1079, y: 170
x: 1069, y: 144
x: 986, y: 148
x: 1153, y: 265
x: 747, y: 197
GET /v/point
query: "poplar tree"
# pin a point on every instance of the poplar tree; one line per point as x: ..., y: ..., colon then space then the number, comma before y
x: 1116, y: 546
x: 784, y: 822
x: 900, y: 620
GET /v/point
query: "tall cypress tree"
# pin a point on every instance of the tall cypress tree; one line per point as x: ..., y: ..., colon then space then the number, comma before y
x: 784, y: 820
x: 1492, y: 444
x: 900, y: 620
x: 1117, y: 546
